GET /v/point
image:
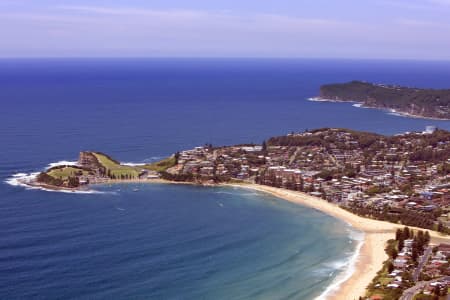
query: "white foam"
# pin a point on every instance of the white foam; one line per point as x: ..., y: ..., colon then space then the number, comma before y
x: 19, y: 175
x: 62, y: 163
x: 132, y: 164
x: 70, y: 191
x: 21, y: 179
x: 317, y: 99
x: 143, y: 162
x: 340, y: 265
x: 24, y: 180
x: 393, y: 113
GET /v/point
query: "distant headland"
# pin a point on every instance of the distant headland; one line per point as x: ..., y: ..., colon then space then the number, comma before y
x: 407, y: 101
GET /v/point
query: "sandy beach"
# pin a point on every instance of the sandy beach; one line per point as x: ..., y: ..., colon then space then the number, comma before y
x: 371, y: 255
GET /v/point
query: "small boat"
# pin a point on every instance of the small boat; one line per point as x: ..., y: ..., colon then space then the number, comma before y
x: 135, y: 190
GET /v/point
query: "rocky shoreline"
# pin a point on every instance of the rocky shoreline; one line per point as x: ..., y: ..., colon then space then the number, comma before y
x: 389, y: 110
x: 405, y: 101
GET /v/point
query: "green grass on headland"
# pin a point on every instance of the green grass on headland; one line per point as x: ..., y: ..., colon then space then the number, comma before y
x: 162, y: 165
x: 115, y: 169
x: 66, y: 172
x: 62, y: 176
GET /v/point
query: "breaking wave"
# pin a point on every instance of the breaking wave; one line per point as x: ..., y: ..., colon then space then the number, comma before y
x: 132, y: 164
x: 62, y: 163
x: 25, y: 179
x: 346, y: 267
x: 145, y: 161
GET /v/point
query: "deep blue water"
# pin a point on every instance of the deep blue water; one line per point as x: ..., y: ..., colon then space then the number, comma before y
x: 173, y: 242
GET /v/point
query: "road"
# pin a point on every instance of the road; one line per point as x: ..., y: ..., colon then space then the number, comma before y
x: 422, y: 261
x: 409, y: 293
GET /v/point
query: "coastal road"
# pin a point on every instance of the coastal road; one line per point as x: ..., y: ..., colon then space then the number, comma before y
x: 409, y: 293
x: 423, y: 260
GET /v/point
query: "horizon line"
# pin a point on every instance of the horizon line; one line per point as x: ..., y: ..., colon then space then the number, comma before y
x: 220, y: 58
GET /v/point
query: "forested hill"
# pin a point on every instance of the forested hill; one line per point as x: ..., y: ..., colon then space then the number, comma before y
x: 428, y: 103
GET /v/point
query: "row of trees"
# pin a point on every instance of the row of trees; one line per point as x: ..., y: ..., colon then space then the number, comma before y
x: 399, y: 215
x: 190, y: 177
x: 420, y: 240
x: 121, y: 176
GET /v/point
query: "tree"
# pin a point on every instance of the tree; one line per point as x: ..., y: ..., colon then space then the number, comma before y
x: 264, y: 147
x: 406, y: 233
x: 414, y: 255
x: 73, y: 182
x: 390, y: 267
x: 440, y: 227
x: 394, y: 254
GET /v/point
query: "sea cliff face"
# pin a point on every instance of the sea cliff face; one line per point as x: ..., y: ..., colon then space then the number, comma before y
x: 426, y: 103
x: 88, y: 160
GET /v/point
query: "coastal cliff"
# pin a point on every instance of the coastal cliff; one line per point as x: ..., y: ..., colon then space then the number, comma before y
x: 428, y: 103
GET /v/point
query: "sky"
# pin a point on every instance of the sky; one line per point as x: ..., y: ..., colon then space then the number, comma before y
x: 378, y: 29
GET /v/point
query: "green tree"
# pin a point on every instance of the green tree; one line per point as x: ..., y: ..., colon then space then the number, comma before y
x: 264, y: 147
x: 390, y: 267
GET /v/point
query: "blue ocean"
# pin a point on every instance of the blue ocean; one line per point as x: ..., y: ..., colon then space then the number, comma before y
x: 156, y: 241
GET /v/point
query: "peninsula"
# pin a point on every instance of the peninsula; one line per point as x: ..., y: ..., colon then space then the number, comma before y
x: 415, y: 102
x: 378, y: 184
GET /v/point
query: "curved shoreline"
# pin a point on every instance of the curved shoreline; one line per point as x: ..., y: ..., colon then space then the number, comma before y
x: 386, y: 109
x: 333, y: 290
x: 370, y: 254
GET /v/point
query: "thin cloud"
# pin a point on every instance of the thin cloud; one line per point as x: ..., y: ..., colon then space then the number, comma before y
x: 428, y: 5
x: 130, y: 31
x: 132, y: 11
x: 442, y: 2
x: 199, y: 14
x: 423, y: 24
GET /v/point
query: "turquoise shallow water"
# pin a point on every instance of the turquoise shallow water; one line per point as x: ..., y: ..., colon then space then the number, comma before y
x: 172, y: 242
x: 168, y: 242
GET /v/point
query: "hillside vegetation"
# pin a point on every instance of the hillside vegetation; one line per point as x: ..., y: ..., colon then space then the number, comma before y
x: 162, y: 165
x: 420, y: 102
x: 114, y: 169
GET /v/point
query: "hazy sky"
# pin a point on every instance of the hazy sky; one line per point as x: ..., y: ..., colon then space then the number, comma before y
x: 410, y: 29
